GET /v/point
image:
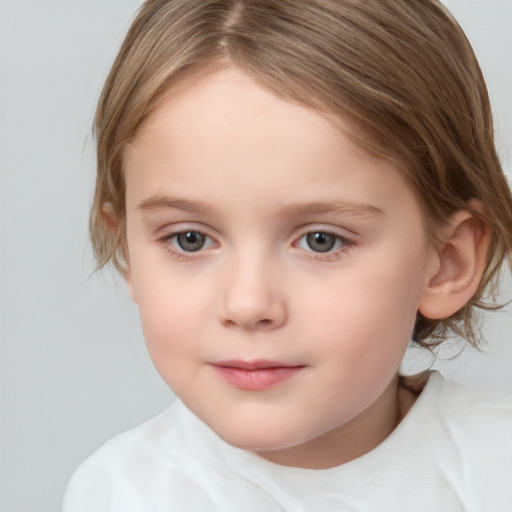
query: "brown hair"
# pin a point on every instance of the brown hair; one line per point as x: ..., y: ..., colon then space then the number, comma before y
x: 402, y: 71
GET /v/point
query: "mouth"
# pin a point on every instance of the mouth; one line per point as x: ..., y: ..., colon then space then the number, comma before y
x: 256, y: 375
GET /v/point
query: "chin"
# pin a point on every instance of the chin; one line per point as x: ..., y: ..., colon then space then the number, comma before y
x: 259, y: 438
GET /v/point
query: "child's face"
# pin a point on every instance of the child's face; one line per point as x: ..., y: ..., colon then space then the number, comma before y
x: 259, y: 236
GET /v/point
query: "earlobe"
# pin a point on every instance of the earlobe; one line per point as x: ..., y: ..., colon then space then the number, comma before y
x: 461, y: 263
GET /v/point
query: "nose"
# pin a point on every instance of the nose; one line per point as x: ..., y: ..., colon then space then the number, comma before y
x: 253, y: 295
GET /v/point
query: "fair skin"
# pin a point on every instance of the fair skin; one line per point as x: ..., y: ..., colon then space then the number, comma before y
x: 304, y: 252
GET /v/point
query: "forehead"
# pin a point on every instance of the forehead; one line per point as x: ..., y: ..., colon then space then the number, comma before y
x: 223, y: 130
x: 232, y: 100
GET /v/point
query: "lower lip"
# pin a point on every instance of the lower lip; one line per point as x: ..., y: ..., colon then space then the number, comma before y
x: 257, y: 380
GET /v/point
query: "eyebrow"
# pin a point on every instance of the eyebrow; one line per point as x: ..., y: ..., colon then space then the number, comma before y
x: 331, y: 207
x: 158, y: 202
x: 161, y: 202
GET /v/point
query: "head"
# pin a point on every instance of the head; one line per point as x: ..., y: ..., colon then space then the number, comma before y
x: 229, y: 134
x: 402, y: 73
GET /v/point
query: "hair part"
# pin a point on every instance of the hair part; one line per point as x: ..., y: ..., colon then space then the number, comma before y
x: 402, y: 72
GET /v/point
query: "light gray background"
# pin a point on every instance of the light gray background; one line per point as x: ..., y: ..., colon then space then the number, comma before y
x: 74, y: 370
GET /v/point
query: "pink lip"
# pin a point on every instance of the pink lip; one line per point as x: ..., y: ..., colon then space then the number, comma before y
x: 255, y: 375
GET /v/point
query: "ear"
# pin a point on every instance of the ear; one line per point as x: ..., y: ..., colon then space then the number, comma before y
x: 460, y: 265
x: 112, y: 222
x: 109, y: 216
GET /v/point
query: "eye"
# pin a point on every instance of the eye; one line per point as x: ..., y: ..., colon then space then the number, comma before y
x: 322, y: 241
x: 190, y: 241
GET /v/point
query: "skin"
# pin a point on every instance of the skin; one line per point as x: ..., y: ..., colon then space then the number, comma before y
x: 255, y: 174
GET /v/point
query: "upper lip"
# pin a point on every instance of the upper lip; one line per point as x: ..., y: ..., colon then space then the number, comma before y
x: 254, y: 365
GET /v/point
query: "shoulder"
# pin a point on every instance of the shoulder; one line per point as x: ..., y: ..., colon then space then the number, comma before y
x: 472, y: 409
x: 151, y: 436
x: 473, y: 432
x: 468, y: 409
x: 131, y: 456
x: 479, y: 422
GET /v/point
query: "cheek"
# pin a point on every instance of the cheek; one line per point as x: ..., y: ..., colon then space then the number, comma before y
x: 168, y: 313
x: 367, y: 316
x: 171, y: 309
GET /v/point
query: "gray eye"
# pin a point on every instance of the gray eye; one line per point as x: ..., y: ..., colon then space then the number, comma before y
x: 321, y: 241
x: 190, y: 241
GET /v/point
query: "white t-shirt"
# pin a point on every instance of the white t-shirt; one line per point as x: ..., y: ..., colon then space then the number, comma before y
x: 452, y: 452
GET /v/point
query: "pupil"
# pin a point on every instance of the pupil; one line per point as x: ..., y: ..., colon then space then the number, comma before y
x: 321, y: 242
x: 191, y: 241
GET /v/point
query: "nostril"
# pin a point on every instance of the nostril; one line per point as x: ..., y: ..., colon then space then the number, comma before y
x: 249, y: 310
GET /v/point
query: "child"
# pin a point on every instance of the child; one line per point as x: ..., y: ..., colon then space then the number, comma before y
x: 293, y: 190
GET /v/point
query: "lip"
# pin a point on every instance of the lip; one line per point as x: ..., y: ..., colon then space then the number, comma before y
x: 255, y: 375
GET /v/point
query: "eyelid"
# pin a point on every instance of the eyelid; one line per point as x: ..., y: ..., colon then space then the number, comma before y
x: 337, y: 238
x: 176, y: 228
x: 173, y: 239
x: 348, y: 242
x: 337, y: 231
x: 170, y: 232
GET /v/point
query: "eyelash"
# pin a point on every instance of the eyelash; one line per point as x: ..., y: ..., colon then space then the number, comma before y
x: 181, y: 254
x: 329, y: 255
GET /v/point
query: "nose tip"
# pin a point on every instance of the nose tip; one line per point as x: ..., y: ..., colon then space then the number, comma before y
x: 253, y: 301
